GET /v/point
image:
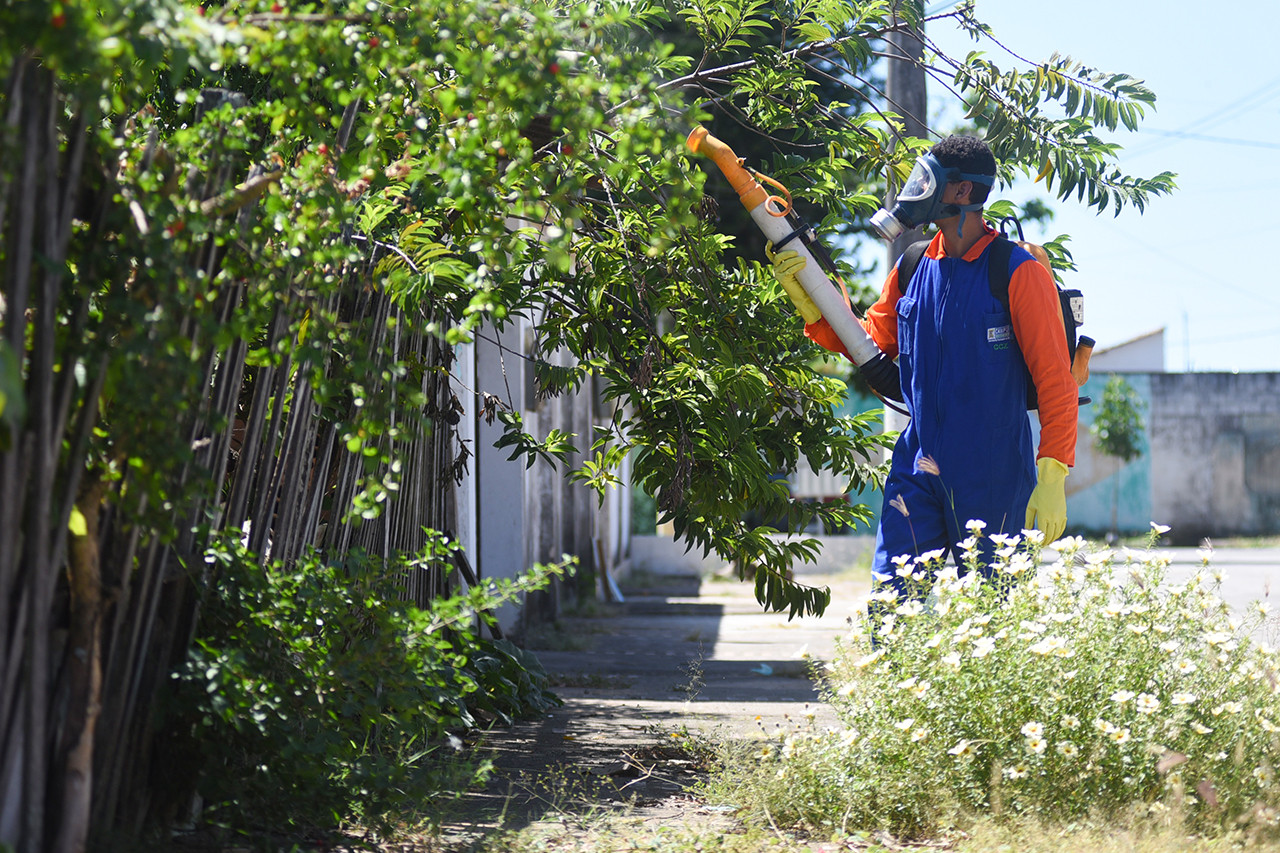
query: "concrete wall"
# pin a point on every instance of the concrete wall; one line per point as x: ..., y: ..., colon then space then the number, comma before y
x: 1215, y: 449
x: 1211, y: 466
x: 511, y: 516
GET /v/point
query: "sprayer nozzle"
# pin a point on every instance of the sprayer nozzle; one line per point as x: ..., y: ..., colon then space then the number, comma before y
x: 696, y: 136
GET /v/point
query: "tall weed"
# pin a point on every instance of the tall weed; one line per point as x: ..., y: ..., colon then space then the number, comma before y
x: 1076, y: 681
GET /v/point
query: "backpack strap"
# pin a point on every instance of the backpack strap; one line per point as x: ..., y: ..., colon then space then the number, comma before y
x: 909, y: 262
x: 998, y: 257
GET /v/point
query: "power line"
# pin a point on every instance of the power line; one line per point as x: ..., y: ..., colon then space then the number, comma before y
x: 1204, y: 137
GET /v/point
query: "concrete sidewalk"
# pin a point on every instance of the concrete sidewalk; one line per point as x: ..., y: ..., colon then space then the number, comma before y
x: 689, y: 655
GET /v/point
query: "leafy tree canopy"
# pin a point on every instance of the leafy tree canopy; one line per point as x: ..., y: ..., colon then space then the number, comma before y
x: 527, y: 160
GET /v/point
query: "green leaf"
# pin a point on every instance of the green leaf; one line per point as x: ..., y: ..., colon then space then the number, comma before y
x: 77, y: 523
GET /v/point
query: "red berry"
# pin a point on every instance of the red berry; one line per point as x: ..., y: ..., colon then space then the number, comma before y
x: 566, y: 149
x: 58, y: 21
x: 323, y: 149
x: 277, y: 8
x: 374, y: 41
x: 554, y: 68
x: 200, y: 11
x: 175, y: 228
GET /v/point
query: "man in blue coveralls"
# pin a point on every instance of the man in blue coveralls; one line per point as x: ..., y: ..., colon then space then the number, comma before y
x: 964, y: 359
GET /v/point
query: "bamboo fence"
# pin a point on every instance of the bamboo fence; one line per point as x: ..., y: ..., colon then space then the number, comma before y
x: 88, y: 636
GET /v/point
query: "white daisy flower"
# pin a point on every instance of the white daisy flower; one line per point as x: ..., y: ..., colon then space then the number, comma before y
x: 1071, y: 722
x: 1049, y: 646
x: 1032, y: 729
x: 1068, y: 749
x: 1146, y: 704
x: 865, y: 662
x: 1120, y: 737
x: 975, y: 525
x: 1201, y: 729
x: 1017, y: 771
x: 910, y: 608
x: 1184, y: 667
x: 1264, y: 776
x: 919, y: 735
x: 905, y: 724
x: 983, y: 646
x: 952, y: 660
x: 1122, y: 696
x: 1020, y: 564
x: 963, y: 749
x: 1183, y: 698
x: 1036, y: 745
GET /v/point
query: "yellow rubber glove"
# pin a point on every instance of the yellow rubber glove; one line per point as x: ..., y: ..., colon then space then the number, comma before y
x: 1047, y: 508
x: 786, y: 266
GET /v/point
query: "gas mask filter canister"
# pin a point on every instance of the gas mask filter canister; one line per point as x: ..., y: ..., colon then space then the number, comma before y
x: 920, y: 201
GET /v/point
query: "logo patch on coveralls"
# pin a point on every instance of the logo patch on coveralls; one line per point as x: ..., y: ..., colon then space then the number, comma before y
x: 999, y: 334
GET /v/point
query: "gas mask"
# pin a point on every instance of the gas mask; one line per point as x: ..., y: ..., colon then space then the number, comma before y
x: 920, y: 201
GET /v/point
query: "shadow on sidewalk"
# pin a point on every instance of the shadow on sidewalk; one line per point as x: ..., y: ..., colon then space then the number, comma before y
x: 637, y: 680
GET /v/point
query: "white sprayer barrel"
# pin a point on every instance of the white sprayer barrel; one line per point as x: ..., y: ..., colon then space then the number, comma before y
x: 821, y: 290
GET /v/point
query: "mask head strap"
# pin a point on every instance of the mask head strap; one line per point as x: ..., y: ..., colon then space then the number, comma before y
x: 955, y: 176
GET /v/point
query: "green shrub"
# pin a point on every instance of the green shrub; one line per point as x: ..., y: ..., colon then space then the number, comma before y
x: 314, y: 697
x: 1062, y: 688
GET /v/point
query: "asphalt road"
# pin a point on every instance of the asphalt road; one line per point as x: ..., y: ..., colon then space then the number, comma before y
x: 1249, y: 574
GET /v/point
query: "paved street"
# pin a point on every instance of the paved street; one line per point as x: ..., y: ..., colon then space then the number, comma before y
x: 1250, y: 573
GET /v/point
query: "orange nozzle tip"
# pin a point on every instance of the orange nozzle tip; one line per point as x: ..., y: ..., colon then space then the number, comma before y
x: 696, y: 136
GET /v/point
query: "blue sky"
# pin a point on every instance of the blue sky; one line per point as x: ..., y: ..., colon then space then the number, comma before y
x: 1197, y: 263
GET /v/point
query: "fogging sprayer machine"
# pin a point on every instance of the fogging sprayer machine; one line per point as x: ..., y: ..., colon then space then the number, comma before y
x: 783, y: 227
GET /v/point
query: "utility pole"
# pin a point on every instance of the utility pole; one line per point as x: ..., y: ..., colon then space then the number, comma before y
x: 905, y: 89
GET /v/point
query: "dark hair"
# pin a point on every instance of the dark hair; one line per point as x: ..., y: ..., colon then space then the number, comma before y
x: 968, y: 154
